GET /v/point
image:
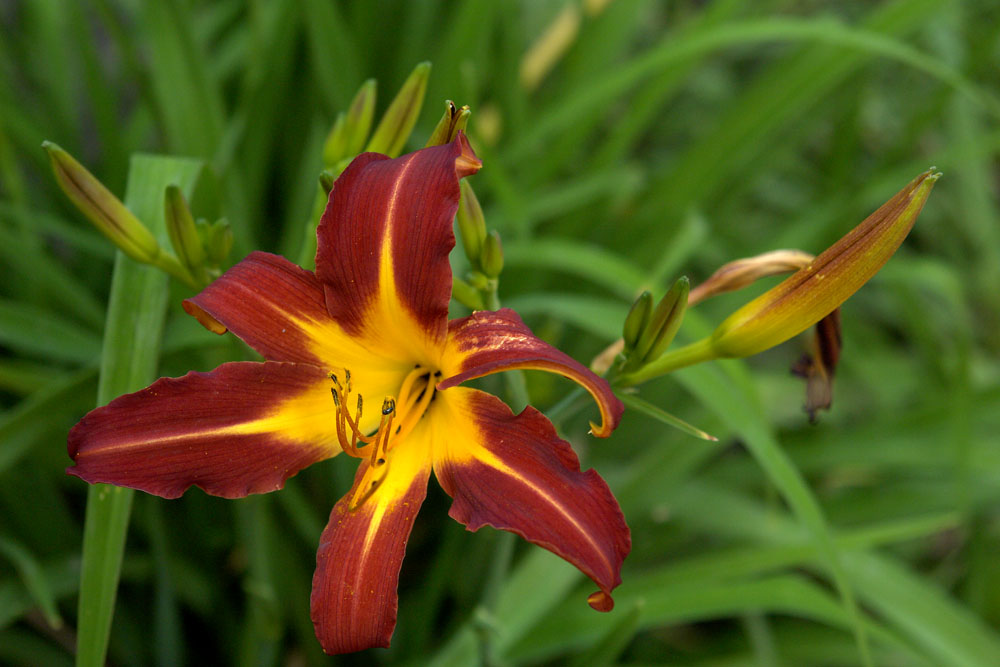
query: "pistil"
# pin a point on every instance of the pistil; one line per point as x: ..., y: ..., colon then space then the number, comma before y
x: 415, y: 395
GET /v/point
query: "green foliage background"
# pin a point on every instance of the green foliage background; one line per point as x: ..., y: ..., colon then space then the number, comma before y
x: 670, y: 137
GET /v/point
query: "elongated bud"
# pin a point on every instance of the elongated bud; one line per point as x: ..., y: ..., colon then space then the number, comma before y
x: 184, y: 233
x: 218, y: 239
x: 351, y: 128
x: 492, y: 260
x: 102, y: 208
x: 663, y: 323
x: 452, y: 122
x: 673, y: 320
x: 815, y: 291
x: 394, y: 129
x: 636, y: 320
x: 471, y: 224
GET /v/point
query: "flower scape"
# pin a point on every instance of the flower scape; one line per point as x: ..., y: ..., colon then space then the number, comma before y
x: 361, y: 359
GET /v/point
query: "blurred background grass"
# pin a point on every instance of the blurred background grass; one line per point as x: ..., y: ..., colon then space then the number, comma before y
x: 659, y: 138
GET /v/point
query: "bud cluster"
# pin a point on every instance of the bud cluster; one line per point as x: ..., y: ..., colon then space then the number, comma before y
x: 199, y: 248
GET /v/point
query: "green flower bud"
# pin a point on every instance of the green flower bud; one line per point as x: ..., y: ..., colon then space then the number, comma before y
x: 102, y: 208
x: 663, y: 323
x: 636, y: 320
x: 673, y: 320
x: 218, y: 241
x: 471, y: 224
x: 452, y: 122
x: 394, y: 129
x: 183, y: 234
x: 351, y: 128
x: 492, y: 257
x: 326, y: 180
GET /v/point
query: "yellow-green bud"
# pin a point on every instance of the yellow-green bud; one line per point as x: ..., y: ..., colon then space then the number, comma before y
x: 183, y: 234
x: 351, y: 128
x: 663, y: 323
x: 636, y: 320
x: 452, y: 122
x: 218, y: 241
x: 668, y: 330
x: 471, y: 224
x: 102, y: 208
x: 492, y: 258
x: 394, y: 129
x: 815, y: 291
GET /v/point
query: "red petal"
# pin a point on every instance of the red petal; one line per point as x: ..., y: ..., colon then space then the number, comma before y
x: 264, y: 300
x: 514, y: 473
x: 409, y: 202
x: 357, y: 566
x: 244, y: 428
x: 488, y: 342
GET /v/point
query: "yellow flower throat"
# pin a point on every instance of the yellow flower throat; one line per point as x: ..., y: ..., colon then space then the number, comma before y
x: 415, y: 395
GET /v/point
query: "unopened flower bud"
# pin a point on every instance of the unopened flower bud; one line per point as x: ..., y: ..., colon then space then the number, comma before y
x: 672, y: 322
x: 471, y: 224
x: 816, y: 290
x: 663, y: 323
x: 394, y: 129
x: 326, y: 180
x: 452, y: 122
x: 492, y: 258
x: 183, y: 234
x: 102, y: 208
x: 636, y: 320
x: 351, y: 127
x: 218, y: 241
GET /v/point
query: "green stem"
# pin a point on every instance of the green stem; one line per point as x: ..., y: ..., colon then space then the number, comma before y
x: 693, y: 353
x: 136, y: 314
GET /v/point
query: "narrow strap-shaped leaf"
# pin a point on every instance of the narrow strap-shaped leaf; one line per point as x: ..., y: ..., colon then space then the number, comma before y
x: 136, y: 312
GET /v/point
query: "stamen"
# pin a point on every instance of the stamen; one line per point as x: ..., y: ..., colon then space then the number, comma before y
x: 415, y: 395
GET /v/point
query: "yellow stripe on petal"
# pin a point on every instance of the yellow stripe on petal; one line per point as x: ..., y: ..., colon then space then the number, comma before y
x: 513, y: 472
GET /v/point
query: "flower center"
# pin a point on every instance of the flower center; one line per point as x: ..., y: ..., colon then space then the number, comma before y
x: 399, y: 416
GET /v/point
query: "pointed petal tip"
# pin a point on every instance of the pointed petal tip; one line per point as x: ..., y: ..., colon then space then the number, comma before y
x: 601, y: 601
x: 467, y: 163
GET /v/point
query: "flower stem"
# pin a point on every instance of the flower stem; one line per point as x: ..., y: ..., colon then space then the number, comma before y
x: 673, y: 360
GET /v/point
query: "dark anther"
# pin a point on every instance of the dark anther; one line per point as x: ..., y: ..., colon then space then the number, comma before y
x: 399, y: 428
x: 380, y: 461
x: 388, y: 406
x: 336, y: 398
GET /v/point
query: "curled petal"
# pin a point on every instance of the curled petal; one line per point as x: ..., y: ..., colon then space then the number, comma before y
x: 513, y: 472
x: 383, y: 244
x: 360, y: 552
x: 488, y: 342
x: 244, y: 428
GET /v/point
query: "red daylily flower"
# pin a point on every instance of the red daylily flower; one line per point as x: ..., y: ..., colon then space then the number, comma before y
x: 371, y: 322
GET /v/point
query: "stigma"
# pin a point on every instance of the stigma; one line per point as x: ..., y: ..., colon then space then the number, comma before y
x: 399, y: 414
